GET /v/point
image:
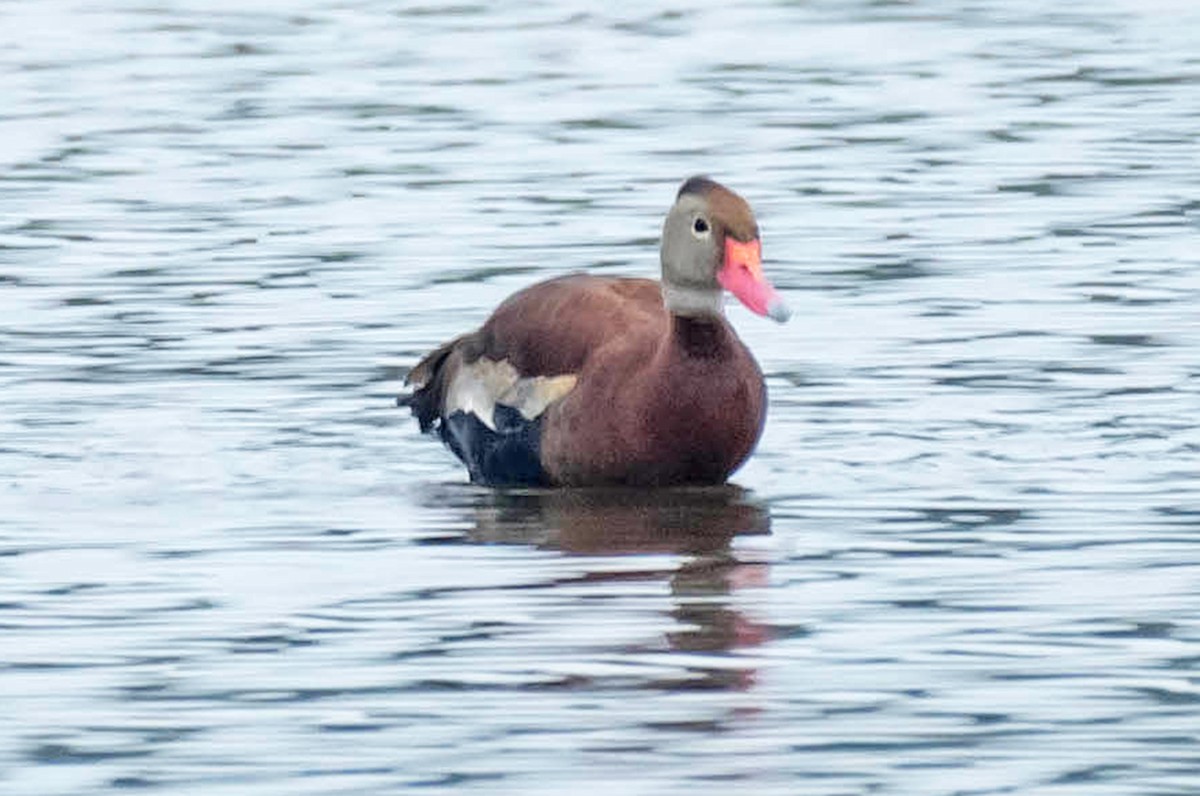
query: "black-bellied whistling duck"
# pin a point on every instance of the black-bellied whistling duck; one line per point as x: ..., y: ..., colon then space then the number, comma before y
x: 586, y: 380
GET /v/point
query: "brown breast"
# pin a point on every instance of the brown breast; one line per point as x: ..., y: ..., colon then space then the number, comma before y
x: 680, y: 401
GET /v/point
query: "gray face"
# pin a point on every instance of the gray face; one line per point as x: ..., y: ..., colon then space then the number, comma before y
x: 691, y: 250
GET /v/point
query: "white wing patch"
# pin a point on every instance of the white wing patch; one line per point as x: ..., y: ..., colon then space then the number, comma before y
x: 479, y: 386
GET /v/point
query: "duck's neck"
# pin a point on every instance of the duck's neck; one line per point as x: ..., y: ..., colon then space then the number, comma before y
x: 700, y: 336
x: 693, y: 302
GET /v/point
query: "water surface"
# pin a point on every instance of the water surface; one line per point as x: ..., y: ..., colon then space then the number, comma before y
x: 963, y: 560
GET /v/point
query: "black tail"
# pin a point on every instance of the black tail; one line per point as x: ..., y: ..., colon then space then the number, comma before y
x: 429, y: 379
x: 425, y: 404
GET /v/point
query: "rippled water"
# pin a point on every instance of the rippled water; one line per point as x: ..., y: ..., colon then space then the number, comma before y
x: 963, y: 561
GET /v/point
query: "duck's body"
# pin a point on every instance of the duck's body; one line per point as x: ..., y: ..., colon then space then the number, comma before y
x: 586, y: 380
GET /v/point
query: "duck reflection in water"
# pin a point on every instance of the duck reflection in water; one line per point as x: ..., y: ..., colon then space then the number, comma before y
x: 696, y: 524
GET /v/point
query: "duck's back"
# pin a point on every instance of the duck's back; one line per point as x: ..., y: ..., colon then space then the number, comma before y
x: 486, y: 392
x: 554, y: 327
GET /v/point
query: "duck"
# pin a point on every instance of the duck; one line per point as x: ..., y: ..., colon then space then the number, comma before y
x: 585, y: 380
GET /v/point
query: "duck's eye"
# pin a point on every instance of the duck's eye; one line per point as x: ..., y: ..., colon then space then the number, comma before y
x: 700, y: 226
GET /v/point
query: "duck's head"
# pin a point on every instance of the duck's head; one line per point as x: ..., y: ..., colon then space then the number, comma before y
x: 709, y: 244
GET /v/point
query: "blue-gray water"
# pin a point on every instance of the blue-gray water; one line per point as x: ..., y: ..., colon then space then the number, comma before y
x: 963, y: 561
